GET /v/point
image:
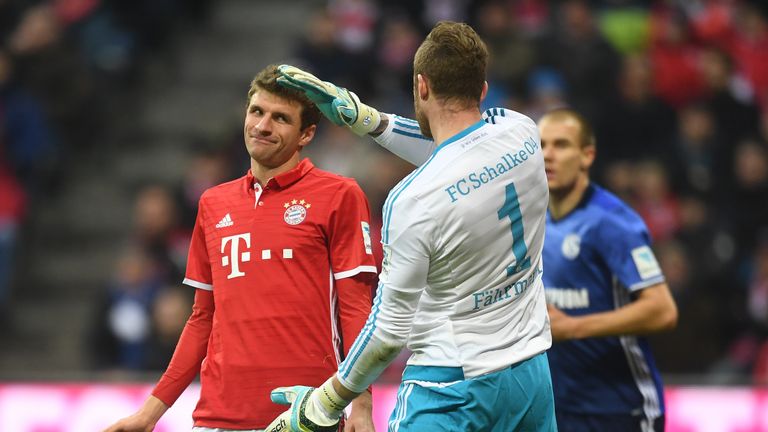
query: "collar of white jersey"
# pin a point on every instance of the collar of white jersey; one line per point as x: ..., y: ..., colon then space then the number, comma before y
x: 460, y: 135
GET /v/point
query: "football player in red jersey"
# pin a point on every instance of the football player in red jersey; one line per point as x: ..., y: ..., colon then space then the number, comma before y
x: 282, y: 264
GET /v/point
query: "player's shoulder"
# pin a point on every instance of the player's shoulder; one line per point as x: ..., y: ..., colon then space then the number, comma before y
x: 333, y: 182
x: 223, y: 189
x: 609, y: 212
x: 507, y: 117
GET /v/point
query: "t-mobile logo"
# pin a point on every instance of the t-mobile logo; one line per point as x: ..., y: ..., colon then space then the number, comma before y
x: 235, y: 256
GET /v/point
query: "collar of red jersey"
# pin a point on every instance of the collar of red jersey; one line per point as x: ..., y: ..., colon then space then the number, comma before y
x: 287, y: 178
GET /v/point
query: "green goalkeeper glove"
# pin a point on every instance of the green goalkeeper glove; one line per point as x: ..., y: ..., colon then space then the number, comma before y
x: 312, y: 409
x: 339, y: 105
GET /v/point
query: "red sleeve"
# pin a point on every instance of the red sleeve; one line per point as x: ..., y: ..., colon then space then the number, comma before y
x: 349, y: 233
x: 198, y: 272
x: 190, y: 350
x: 354, y: 305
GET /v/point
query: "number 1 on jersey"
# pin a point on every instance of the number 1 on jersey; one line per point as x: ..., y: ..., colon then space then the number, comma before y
x: 511, y: 209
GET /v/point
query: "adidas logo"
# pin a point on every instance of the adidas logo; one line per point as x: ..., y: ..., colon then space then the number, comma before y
x: 226, y: 221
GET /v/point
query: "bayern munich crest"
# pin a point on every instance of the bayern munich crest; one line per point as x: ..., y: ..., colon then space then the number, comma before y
x: 295, y: 211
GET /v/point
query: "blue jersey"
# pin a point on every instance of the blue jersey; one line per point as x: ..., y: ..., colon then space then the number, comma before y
x: 595, y: 258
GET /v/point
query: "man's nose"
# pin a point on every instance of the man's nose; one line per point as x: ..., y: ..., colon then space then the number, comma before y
x: 264, y: 126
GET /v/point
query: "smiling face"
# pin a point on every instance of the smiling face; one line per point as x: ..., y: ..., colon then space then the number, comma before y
x: 272, y: 131
x: 567, y: 157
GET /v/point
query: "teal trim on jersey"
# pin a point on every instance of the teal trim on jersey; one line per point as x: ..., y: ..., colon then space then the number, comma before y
x: 388, y: 204
x: 410, y: 134
x: 516, y: 398
x: 437, y: 374
x: 407, y: 125
x: 461, y: 135
x: 363, y: 338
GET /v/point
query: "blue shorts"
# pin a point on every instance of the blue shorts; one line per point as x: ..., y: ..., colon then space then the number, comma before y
x: 517, y: 398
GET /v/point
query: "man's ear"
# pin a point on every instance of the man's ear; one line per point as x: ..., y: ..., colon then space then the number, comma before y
x: 484, y: 93
x: 588, y: 156
x: 306, y: 135
x: 422, y: 87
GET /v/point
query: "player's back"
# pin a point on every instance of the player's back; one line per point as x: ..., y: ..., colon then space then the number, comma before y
x: 480, y: 204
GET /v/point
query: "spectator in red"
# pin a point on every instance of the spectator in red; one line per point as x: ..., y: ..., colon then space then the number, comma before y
x: 674, y: 59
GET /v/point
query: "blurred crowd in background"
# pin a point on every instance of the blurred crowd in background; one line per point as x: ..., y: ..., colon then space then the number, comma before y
x: 677, y: 92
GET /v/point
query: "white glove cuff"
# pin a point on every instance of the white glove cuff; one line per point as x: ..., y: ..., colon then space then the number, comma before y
x: 368, y: 118
x: 327, y: 402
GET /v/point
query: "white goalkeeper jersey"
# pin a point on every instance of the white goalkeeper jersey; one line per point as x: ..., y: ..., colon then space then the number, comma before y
x: 460, y: 283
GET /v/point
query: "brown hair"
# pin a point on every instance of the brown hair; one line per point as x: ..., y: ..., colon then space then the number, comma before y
x: 266, y: 80
x: 454, y: 59
x: 586, y: 135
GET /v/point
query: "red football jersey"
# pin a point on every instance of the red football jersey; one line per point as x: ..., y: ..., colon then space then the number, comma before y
x: 271, y: 256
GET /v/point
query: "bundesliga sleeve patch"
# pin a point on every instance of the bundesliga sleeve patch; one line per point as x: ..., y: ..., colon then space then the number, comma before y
x: 367, y: 237
x: 646, y: 263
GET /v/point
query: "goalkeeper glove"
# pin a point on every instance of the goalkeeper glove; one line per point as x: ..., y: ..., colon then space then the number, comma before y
x: 339, y: 105
x: 312, y: 409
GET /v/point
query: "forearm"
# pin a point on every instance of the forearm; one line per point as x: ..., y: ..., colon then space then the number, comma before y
x: 152, y: 410
x: 654, y: 311
x: 190, y: 351
x: 403, y: 138
x: 363, y: 368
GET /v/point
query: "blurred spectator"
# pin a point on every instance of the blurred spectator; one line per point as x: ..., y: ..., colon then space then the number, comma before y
x: 206, y: 169
x: 655, y: 202
x: 757, y: 287
x: 532, y: 16
x: 546, y: 91
x: 355, y: 22
x: 121, y: 333
x: 746, y: 207
x: 699, y: 310
x: 26, y: 140
x: 635, y: 123
x: 399, y: 40
x: 12, y: 201
x: 52, y: 70
x: 586, y: 60
x: 318, y: 44
x: 694, y: 159
x: 748, y: 48
x: 157, y: 231
x: 444, y: 10
x: 170, y: 311
x: 511, y: 55
x: 618, y: 177
x: 710, y: 247
x: 674, y: 59
x: 735, y: 116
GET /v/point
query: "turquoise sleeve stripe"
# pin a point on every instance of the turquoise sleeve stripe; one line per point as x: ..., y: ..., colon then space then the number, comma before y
x: 407, y: 125
x: 410, y: 134
x: 362, y: 339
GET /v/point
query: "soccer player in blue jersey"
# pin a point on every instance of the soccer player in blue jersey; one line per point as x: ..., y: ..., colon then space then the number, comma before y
x: 605, y: 290
x: 460, y: 283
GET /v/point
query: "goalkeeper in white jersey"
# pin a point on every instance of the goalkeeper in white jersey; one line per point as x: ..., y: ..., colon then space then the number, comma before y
x: 460, y: 284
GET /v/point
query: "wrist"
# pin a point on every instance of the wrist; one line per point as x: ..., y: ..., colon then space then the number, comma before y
x: 383, y: 123
x: 325, y: 406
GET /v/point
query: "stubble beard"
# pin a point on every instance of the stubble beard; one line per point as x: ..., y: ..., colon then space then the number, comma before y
x: 422, y: 120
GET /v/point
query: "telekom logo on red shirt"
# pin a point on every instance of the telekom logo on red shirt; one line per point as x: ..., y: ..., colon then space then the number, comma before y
x: 235, y: 257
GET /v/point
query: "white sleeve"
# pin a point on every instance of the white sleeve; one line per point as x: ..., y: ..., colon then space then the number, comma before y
x: 403, y: 138
x: 405, y: 238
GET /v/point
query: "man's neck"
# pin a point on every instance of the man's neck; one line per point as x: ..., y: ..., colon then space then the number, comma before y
x: 447, y: 123
x: 561, y: 203
x: 262, y: 174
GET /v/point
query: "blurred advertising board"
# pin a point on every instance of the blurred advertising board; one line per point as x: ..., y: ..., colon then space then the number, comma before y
x: 57, y: 407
